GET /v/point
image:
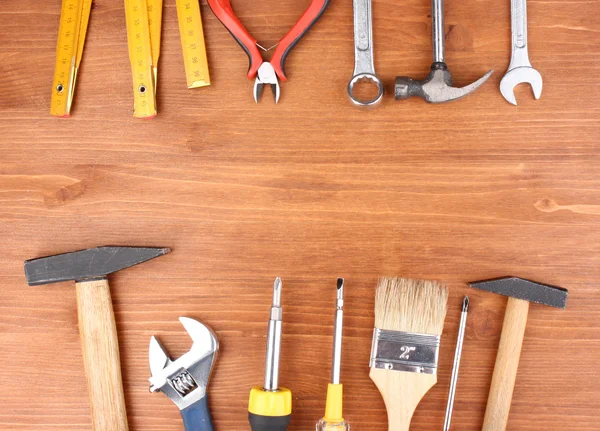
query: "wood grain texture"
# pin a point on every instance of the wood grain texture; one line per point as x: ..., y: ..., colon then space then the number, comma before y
x: 507, y: 363
x: 309, y: 189
x: 101, y: 358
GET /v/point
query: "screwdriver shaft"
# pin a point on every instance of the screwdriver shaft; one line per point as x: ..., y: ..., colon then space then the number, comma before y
x: 337, y: 333
x: 456, y: 365
x: 274, y: 340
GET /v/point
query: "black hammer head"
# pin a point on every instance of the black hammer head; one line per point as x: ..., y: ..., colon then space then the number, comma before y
x: 520, y: 288
x: 86, y: 264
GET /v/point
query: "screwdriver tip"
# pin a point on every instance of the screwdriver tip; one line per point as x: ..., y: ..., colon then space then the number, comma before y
x: 277, y: 292
x: 465, y: 304
x: 340, y: 288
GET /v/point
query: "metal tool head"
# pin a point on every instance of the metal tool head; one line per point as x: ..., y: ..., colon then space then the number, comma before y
x: 184, y: 380
x: 371, y: 79
x: 87, y: 264
x: 266, y: 76
x: 528, y: 290
x: 520, y: 75
x: 436, y: 87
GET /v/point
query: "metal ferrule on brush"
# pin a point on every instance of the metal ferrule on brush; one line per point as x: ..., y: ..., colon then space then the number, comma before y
x: 405, y: 351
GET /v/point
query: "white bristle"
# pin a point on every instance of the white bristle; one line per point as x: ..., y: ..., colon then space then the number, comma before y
x: 410, y: 305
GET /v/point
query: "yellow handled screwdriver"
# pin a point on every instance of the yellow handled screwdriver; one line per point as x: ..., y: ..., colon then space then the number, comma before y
x: 333, y: 420
x: 269, y: 406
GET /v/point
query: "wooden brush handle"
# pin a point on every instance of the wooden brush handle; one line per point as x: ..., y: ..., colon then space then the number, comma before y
x: 401, y: 392
x: 100, y: 348
x: 507, y: 362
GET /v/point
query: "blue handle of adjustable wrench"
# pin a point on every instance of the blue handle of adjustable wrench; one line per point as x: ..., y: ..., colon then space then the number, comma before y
x: 197, y: 416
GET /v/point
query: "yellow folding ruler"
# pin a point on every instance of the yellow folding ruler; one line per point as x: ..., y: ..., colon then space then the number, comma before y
x: 143, y: 63
x: 74, y: 19
x: 192, y: 43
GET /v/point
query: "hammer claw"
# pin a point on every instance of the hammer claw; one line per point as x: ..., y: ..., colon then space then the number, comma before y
x: 437, y: 87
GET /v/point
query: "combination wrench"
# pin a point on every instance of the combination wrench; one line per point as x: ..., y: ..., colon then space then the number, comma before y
x: 520, y: 69
x: 364, y: 69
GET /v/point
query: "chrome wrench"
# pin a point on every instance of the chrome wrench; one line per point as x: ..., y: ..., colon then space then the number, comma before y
x: 364, y: 69
x: 520, y: 69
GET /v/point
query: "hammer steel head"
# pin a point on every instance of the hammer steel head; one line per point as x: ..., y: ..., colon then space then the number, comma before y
x: 520, y: 75
x: 436, y: 87
x: 528, y: 290
x: 85, y: 264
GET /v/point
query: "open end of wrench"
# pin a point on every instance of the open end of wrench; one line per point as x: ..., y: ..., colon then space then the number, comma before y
x: 370, y: 79
x: 205, y: 341
x: 520, y: 75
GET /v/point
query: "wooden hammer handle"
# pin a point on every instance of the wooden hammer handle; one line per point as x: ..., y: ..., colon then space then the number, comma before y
x: 100, y: 348
x: 507, y: 362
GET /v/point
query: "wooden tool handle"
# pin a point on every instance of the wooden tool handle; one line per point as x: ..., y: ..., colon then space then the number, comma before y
x: 101, y: 356
x: 507, y: 362
x: 401, y: 392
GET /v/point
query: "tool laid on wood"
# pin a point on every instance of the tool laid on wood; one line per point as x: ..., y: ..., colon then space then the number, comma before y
x: 266, y: 72
x: 519, y: 70
x: 409, y: 318
x: 270, y: 406
x: 185, y: 380
x: 192, y: 43
x: 364, y: 68
x: 520, y: 293
x: 74, y: 19
x: 437, y: 86
x: 333, y: 419
x: 143, y: 58
x: 155, y: 25
x: 455, y: 367
x: 97, y: 328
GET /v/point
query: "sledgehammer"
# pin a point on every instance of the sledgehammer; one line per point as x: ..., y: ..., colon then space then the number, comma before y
x: 97, y: 328
x: 520, y: 293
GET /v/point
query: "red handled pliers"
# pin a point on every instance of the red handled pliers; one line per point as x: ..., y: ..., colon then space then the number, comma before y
x: 266, y: 72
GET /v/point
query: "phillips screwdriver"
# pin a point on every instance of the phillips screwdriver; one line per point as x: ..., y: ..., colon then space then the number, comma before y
x: 457, y: 354
x: 269, y: 406
x: 333, y: 420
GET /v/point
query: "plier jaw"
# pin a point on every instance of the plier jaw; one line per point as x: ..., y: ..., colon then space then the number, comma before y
x: 266, y: 76
x: 275, y: 69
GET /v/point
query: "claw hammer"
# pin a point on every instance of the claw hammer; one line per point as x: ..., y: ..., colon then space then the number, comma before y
x: 97, y: 328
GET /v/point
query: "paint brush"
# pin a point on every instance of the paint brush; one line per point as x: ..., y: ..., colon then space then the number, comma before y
x: 409, y: 318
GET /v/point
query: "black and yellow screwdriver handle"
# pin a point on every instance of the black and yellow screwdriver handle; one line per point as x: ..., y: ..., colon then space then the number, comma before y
x: 269, y: 410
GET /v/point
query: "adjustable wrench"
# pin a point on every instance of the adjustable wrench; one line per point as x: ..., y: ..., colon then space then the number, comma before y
x: 185, y: 380
x: 364, y: 69
x: 520, y: 69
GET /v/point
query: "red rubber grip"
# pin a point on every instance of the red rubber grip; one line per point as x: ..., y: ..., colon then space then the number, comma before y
x: 224, y: 12
x: 306, y: 21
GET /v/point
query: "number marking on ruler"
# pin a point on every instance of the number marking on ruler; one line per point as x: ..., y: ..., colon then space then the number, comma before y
x: 155, y: 23
x: 192, y: 43
x: 66, y: 56
x: 86, y: 9
x: 140, y: 55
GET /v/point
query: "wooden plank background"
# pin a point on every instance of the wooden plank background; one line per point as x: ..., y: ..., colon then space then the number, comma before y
x: 310, y: 189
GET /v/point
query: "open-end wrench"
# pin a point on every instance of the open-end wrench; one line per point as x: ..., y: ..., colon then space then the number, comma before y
x: 520, y: 69
x: 364, y: 69
x: 185, y: 380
